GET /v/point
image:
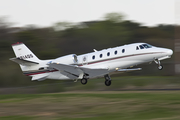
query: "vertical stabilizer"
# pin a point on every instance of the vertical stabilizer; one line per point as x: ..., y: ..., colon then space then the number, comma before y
x: 23, y: 52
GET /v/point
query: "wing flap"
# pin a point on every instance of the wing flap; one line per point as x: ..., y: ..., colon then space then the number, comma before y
x: 23, y: 62
x: 69, y: 75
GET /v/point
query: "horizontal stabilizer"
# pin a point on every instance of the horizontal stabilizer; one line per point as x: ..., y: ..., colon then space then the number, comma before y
x: 40, y: 77
x: 128, y: 70
x: 23, y: 62
x: 77, y: 71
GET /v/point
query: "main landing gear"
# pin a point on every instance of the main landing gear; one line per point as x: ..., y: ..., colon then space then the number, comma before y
x: 107, y: 80
x: 160, y: 67
x: 84, y: 80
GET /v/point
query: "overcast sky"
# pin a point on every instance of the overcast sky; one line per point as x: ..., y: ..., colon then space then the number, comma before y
x: 47, y: 12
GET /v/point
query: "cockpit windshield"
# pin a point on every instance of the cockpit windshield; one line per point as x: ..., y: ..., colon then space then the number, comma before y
x: 147, y: 45
x: 143, y: 46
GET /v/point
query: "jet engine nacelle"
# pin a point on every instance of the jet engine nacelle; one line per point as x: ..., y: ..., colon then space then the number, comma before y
x: 68, y: 59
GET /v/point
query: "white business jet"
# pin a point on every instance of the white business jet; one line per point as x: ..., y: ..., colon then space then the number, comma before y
x: 90, y: 65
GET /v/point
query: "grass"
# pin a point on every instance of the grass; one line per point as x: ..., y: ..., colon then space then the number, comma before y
x: 127, y: 105
x: 118, y: 83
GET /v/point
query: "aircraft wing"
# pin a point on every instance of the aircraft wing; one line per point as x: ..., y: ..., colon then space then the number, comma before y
x: 23, y: 62
x: 78, y: 72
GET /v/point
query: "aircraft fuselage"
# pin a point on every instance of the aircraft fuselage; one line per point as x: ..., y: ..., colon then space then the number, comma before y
x: 111, y: 59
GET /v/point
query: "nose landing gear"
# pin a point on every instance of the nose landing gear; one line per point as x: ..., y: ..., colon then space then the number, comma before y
x: 160, y: 67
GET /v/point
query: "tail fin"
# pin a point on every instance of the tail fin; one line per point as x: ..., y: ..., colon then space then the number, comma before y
x: 28, y: 62
x: 23, y: 52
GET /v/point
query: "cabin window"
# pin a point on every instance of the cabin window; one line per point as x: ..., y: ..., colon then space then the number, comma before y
x: 93, y: 57
x: 123, y: 50
x: 115, y: 52
x: 108, y: 54
x: 137, y: 48
x: 141, y: 47
x: 100, y: 55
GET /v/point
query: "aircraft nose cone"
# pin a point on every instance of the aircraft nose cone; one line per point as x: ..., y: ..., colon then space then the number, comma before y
x: 169, y: 52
